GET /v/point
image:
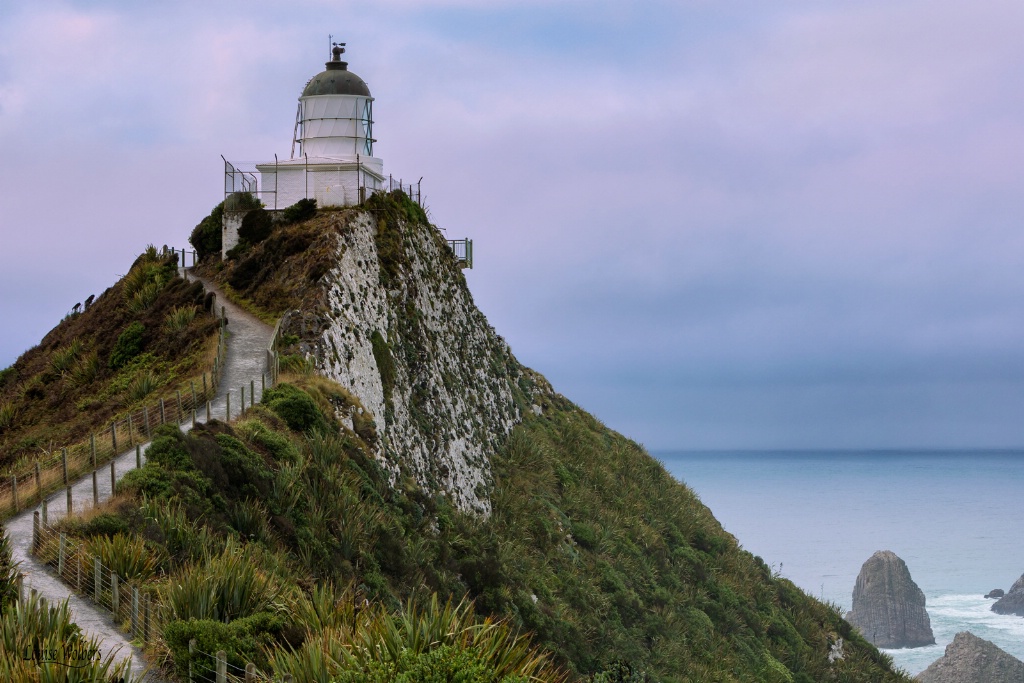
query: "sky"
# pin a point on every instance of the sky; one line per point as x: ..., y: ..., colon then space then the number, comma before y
x: 714, y: 225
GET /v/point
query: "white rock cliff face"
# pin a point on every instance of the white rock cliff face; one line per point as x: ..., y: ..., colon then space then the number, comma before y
x: 400, y: 331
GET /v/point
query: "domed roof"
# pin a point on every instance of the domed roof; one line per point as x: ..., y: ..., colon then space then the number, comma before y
x: 337, y: 79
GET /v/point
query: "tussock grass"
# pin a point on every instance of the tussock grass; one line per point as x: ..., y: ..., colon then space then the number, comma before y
x: 62, y: 359
x: 86, y: 369
x: 180, y: 317
x: 8, y: 414
x: 127, y: 556
x: 142, y: 385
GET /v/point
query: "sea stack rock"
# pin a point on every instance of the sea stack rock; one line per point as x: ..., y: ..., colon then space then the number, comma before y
x: 969, y: 659
x: 888, y: 607
x: 995, y: 593
x: 1013, y: 601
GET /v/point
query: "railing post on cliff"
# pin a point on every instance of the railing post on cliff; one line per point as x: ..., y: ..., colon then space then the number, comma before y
x: 138, y: 457
x: 64, y: 460
x: 113, y: 436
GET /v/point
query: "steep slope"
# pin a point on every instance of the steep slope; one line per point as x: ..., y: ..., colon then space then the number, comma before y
x: 137, y: 340
x: 381, y: 305
x: 584, y: 539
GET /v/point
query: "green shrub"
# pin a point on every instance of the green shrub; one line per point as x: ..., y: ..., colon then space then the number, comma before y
x: 302, y: 210
x: 243, y: 640
x: 105, y: 524
x: 207, y: 235
x: 256, y: 227
x: 128, y: 345
x: 295, y: 407
x: 385, y: 364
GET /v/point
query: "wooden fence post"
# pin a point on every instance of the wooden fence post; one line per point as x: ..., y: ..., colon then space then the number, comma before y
x: 69, y: 502
x: 113, y: 436
x: 195, y: 401
x: 92, y: 448
x: 79, y: 584
x: 250, y: 673
x: 252, y: 393
x: 138, y: 457
x: 113, y: 476
x: 180, y: 414
x: 35, y: 532
x: 20, y: 581
x: 39, y: 483
x: 209, y: 409
x: 145, y: 418
x: 115, y: 597
x: 227, y: 417
x: 241, y: 412
x: 96, y: 584
x: 206, y: 392
x: 95, y: 490
x: 64, y: 460
x: 191, y: 650
x: 131, y: 437
x: 222, y: 666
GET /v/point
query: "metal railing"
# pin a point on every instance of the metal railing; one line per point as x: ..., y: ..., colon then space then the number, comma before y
x: 134, y: 605
x: 463, y: 250
x: 61, y: 469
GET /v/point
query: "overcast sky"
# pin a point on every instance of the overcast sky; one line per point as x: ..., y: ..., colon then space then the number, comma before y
x: 712, y: 224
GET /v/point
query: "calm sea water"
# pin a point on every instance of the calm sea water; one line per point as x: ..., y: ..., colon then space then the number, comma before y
x: 956, y: 519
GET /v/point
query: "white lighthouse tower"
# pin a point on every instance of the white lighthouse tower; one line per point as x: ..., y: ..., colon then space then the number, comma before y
x: 332, y: 158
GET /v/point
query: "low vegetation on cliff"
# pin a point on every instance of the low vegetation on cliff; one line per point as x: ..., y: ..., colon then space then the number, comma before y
x: 137, y: 340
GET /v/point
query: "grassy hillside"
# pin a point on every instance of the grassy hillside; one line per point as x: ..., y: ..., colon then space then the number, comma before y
x: 137, y: 340
x: 617, y: 570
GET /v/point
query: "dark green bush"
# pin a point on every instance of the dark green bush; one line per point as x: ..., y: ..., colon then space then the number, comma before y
x: 385, y: 364
x: 207, y: 235
x: 295, y: 407
x: 302, y: 210
x: 128, y: 345
x: 105, y: 524
x: 242, y: 640
x: 256, y: 227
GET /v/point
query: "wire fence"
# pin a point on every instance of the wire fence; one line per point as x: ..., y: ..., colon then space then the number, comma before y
x: 134, y: 605
x: 61, y: 468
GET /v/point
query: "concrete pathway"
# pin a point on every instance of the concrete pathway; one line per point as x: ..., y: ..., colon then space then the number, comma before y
x: 244, y: 363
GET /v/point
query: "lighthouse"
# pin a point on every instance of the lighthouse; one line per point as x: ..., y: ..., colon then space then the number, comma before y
x: 332, y: 156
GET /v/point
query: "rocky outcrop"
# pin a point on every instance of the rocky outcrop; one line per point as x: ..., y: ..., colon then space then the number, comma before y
x: 995, y: 593
x: 969, y: 659
x: 395, y: 324
x: 888, y: 607
x: 1013, y: 601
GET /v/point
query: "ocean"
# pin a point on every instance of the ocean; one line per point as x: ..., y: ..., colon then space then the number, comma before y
x: 955, y: 517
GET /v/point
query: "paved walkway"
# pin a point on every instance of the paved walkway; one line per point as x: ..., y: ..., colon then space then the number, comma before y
x: 244, y: 362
